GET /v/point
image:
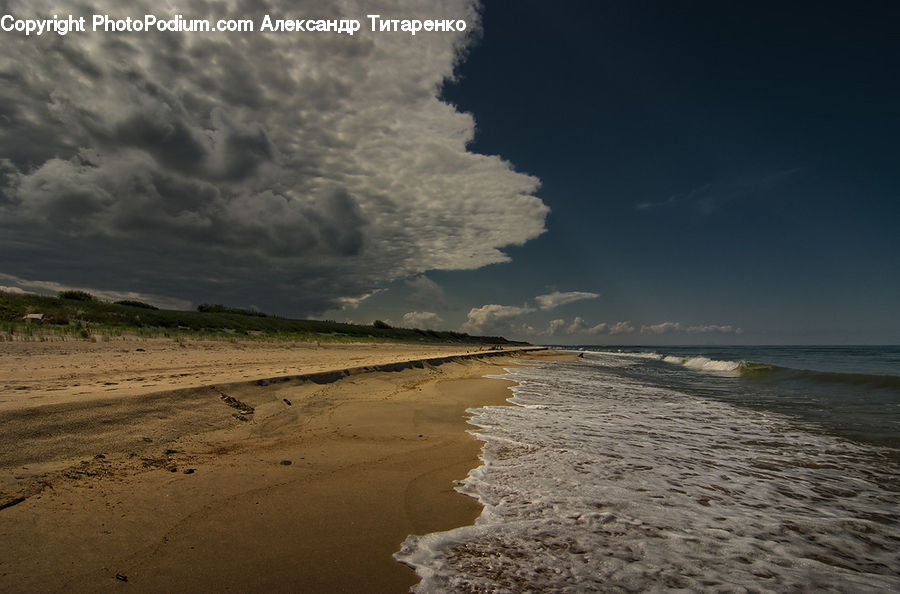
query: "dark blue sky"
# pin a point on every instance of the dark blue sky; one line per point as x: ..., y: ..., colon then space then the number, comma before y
x: 705, y: 162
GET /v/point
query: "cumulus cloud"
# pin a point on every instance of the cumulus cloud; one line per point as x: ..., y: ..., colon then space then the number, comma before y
x: 714, y: 329
x: 562, y: 327
x: 555, y: 327
x: 673, y: 327
x: 491, y: 317
x: 284, y: 169
x: 555, y: 299
x: 579, y: 325
x: 621, y: 328
x: 663, y: 328
x: 422, y: 319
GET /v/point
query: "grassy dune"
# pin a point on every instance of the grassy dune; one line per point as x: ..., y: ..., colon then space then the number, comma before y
x: 79, y: 315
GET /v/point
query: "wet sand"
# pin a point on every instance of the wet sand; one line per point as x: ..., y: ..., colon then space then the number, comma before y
x: 234, y: 486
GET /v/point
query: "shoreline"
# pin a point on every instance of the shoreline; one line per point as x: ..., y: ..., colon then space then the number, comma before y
x: 315, y: 491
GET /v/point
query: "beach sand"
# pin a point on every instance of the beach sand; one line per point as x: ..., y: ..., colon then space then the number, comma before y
x: 197, y: 478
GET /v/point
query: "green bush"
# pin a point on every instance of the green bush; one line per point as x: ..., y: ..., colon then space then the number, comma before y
x: 219, y: 308
x: 132, y: 303
x: 76, y: 295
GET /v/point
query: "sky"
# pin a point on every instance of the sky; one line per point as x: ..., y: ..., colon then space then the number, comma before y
x: 630, y: 172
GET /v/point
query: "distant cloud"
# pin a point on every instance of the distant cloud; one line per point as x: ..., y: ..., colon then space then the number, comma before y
x: 604, y: 328
x: 500, y: 318
x: 713, y: 329
x: 287, y: 170
x: 673, y: 327
x: 578, y: 325
x: 555, y: 326
x: 663, y: 328
x: 621, y: 328
x: 489, y: 317
x: 556, y: 299
x: 561, y: 327
x: 426, y: 320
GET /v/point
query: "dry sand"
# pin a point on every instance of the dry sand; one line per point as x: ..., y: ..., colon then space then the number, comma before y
x: 221, y: 484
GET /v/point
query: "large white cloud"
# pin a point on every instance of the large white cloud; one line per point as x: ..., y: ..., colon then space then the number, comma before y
x: 492, y: 317
x: 285, y: 169
x: 422, y: 319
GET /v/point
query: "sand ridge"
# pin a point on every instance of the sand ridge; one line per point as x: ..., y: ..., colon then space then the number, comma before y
x: 39, y: 373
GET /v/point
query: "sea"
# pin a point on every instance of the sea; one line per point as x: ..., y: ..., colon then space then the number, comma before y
x: 695, y: 469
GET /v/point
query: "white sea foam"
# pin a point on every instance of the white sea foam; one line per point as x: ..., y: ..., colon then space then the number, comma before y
x: 696, y: 363
x: 599, y: 483
x: 704, y: 364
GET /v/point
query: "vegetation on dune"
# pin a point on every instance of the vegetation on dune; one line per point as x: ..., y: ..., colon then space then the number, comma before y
x: 133, y: 303
x: 81, y: 315
x: 76, y: 295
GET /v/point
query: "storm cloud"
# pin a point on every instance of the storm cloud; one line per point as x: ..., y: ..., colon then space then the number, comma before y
x: 288, y: 170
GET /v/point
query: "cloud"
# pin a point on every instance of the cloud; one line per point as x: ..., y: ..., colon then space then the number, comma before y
x: 422, y: 319
x: 491, y: 317
x: 561, y: 327
x: 578, y: 325
x: 294, y: 171
x: 556, y: 299
x: 346, y: 303
x: 426, y: 292
x: 663, y: 328
x: 601, y: 328
x: 673, y: 327
x: 714, y: 329
x: 621, y: 328
x: 555, y: 327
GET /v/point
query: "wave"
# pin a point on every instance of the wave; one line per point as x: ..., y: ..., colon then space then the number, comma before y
x: 706, y: 364
x: 755, y: 369
x: 767, y: 371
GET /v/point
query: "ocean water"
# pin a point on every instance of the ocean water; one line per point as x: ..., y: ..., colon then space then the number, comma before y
x: 714, y: 470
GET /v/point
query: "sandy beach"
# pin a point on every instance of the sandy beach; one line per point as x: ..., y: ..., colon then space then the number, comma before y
x: 216, y: 466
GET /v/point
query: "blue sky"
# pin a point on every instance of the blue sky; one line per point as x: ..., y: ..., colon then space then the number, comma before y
x: 576, y: 173
x: 705, y: 163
